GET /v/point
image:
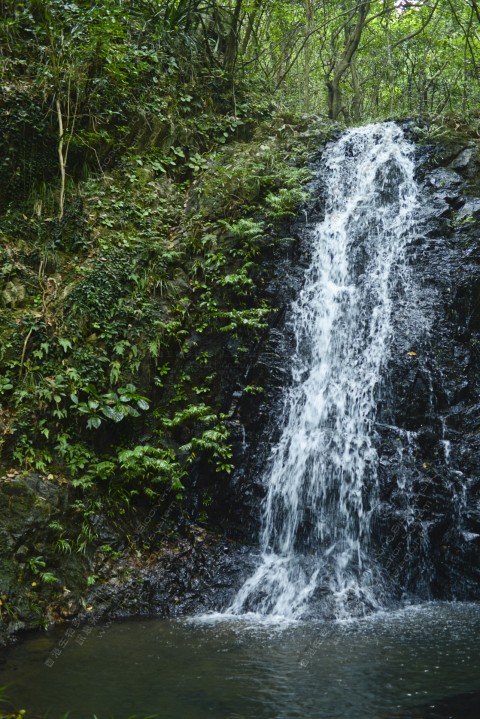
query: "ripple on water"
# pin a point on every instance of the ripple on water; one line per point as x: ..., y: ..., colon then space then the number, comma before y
x: 222, y: 668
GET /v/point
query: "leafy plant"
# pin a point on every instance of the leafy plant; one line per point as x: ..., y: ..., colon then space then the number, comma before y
x: 152, y: 465
x: 37, y: 566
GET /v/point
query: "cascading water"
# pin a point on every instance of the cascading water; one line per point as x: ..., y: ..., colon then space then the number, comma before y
x: 322, y: 482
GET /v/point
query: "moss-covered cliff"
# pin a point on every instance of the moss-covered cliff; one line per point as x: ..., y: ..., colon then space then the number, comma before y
x: 133, y: 297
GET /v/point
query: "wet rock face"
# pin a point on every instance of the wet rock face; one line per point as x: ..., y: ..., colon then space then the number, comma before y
x: 142, y: 565
x: 255, y: 425
x: 196, y: 574
x: 31, y: 571
x: 427, y: 434
x: 426, y: 527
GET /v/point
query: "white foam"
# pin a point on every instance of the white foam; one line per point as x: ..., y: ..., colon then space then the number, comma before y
x: 322, y: 482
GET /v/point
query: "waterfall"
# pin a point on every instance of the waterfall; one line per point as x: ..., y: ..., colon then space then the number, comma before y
x: 321, y: 485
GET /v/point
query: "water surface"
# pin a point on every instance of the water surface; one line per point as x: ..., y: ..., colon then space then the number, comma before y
x: 373, y: 668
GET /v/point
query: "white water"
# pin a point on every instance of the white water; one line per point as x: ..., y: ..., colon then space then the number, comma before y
x: 322, y: 482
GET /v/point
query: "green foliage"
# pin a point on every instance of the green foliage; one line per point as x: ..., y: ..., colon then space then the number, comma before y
x: 154, y: 279
x: 141, y: 208
x: 37, y: 567
x: 116, y: 406
x: 6, y: 709
x: 285, y: 202
x: 152, y: 465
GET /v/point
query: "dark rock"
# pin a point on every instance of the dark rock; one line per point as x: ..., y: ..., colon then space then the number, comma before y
x: 443, y: 179
x: 429, y: 417
x: 463, y: 159
x: 427, y: 434
x: 176, y: 572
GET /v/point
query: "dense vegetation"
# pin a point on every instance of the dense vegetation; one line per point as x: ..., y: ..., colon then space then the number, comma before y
x: 152, y: 151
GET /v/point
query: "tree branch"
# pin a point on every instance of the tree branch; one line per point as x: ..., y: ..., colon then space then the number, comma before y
x: 417, y: 32
x: 321, y: 27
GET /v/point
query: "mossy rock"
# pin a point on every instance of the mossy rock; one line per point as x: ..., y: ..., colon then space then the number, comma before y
x: 13, y: 294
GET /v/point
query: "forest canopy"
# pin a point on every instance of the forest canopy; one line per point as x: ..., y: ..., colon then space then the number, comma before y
x: 352, y: 59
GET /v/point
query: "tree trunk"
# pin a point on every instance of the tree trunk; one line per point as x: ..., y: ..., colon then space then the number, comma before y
x: 335, y: 107
x: 252, y: 16
x: 357, y: 102
x: 309, y: 21
x: 232, y: 40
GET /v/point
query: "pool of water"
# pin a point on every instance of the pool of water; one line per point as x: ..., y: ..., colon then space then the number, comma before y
x: 376, y: 668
